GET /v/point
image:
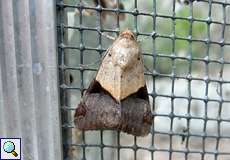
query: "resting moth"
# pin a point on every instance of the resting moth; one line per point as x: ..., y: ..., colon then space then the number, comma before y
x: 117, y: 98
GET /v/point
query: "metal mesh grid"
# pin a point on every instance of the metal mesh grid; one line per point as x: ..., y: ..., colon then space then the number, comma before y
x: 198, y: 132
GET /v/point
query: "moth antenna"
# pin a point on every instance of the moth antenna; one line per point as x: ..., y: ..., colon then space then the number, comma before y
x: 107, y: 36
x: 96, y: 62
x: 89, y: 64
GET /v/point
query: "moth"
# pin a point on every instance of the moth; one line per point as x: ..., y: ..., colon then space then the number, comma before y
x: 117, y: 97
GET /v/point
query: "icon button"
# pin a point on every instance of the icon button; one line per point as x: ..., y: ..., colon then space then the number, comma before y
x: 10, y: 148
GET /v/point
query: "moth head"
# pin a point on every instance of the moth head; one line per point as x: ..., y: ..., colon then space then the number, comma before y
x: 127, y: 34
x: 125, y: 51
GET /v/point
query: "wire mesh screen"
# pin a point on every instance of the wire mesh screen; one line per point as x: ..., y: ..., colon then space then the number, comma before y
x: 186, y: 50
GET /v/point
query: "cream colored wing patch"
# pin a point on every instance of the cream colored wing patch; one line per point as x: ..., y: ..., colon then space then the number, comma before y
x: 122, y: 72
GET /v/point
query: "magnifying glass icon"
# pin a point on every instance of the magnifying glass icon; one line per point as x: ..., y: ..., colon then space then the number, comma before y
x: 9, y: 147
